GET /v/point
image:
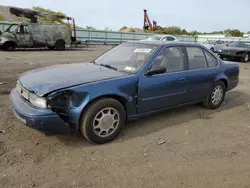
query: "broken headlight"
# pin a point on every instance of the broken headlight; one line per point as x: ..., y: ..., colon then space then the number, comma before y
x: 37, y: 101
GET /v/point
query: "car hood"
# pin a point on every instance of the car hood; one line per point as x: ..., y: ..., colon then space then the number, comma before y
x: 234, y: 49
x: 48, y: 79
x: 7, y: 35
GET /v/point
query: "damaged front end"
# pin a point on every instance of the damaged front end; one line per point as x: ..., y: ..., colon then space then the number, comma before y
x: 68, y: 105
x: 60, y: 104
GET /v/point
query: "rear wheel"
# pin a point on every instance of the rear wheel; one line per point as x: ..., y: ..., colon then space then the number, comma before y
x: 216, y: 96
x: 103, y: 120
x: 60, y: 45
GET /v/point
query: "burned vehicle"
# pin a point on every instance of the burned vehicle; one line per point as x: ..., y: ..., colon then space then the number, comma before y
x: 29, y: 35
x: 237, y: 50
x: 132, y: 80
x: 34, y: 34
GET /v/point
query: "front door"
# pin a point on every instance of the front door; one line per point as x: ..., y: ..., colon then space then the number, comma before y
x: 165, y: 90
x: 24, y: 37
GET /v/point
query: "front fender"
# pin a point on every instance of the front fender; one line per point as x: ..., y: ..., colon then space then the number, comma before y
x: 6, y: 39
x: 81, y: 97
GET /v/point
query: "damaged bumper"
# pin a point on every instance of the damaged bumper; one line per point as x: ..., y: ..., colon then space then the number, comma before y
x: 41, y: 119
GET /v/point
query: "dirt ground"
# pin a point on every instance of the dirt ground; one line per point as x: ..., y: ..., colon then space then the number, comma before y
x: 203, y: 148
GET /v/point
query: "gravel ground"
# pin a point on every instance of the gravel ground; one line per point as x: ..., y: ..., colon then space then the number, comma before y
x: 185, y: 147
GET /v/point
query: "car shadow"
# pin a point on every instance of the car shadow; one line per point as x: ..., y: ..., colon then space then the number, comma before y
x: 173, y: 117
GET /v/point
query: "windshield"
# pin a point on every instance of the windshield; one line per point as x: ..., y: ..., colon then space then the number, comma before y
x: 155, y: 37
x: 12, y: 28
x: 241, y: 44
x: 127, y: 57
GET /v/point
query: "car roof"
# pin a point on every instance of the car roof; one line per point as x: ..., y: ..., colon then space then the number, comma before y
x: 166, y: 43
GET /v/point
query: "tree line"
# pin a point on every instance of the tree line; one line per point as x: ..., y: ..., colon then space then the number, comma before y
x: 175, y: 30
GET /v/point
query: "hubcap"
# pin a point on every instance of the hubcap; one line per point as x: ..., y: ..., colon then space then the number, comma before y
x: 217, y: 95
x: 246, y: 58
x: 106, y: 122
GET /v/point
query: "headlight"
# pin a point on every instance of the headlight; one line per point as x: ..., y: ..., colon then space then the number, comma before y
x: 37, y: 101
x: 219, y: 50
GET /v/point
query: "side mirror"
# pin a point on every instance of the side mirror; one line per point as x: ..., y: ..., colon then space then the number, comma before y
x: 156, y: 70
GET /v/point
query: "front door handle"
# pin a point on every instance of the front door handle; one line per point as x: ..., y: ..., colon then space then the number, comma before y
x: 181, y: 79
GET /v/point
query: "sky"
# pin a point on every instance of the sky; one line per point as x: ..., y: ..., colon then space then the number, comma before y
x: 200, y: 15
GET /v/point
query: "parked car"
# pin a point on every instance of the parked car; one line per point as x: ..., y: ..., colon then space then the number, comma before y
x: 237, y: 50
x: 132, y: 80
x: 161, y: 38
x: 214, y: 45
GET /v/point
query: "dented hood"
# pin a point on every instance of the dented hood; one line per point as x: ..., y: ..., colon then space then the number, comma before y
x: 48, y: 79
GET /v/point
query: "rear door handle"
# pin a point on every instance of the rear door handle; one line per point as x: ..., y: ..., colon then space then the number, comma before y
x: 181, y: 79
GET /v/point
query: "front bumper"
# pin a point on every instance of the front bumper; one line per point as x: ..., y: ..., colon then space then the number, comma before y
x: 41, y: 119
x: 226, y: 55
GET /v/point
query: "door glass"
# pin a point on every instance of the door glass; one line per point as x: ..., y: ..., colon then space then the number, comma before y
x: 211, y: 60
x: 196, y: 58
x: 171, y: 58
x: 25, y: 29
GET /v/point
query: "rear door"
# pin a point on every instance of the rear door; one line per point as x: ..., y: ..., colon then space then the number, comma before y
x: 202, y: 72
x: 164, y: 90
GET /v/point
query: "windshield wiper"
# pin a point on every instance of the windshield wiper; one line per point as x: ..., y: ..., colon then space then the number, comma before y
x: 93, y: 62
x: 109, y: 66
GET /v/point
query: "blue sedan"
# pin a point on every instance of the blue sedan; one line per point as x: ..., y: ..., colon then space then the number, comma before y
x: 131, y: 80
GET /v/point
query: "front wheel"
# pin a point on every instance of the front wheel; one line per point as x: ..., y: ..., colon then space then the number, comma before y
x: 216, y: 96
x: 103, y: 120
x: 245, y: 58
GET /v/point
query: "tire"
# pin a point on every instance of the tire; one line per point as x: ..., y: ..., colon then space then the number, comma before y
x: 8, y: 46
x: 60, y: 45
x: 245, y: 58
x: 210, y: 100
x: 95, y: 127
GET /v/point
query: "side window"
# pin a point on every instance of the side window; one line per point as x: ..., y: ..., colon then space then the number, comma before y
x: 172, y: 58
x: 170, y: 38
x: 196, y: 58
x: 211, y: 60
x: 25, y: 29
